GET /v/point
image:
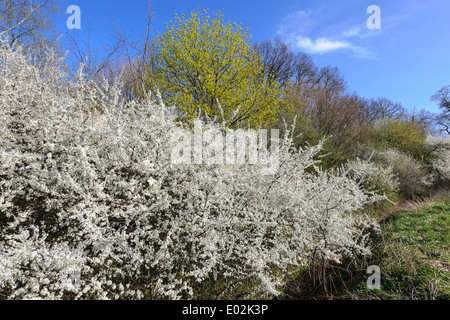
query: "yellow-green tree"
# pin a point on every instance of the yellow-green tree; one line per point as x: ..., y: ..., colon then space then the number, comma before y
x: 407, y: 136
x: 206, y: 67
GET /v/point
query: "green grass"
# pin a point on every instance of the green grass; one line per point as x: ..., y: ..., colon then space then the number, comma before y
x: 427, y: 232
x: 413, y: 254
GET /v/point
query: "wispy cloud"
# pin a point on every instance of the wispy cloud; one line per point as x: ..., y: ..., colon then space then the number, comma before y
x: 300, y: 21
x: 324, y: 45
x: 300, y: 27
x: 320, y: 45
x: 352, y: 32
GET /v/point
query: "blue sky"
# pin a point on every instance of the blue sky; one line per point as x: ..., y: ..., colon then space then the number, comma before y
x: 407, y: 60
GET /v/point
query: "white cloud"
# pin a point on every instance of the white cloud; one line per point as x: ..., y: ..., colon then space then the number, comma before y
x: 320, y: 45
x: 359, y: 33
x: 352, y: 32
x: 324, y: 45
x: 299, y: 21
x: 299, y: 29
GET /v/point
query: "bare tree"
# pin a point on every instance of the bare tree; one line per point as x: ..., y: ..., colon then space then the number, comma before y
x: 30, y: 23
x: 425, y: 119
x: 278, y: 60
x: 315, y: 100
x: 383, y: 108
x: 443, y: 121
x: 120, y: 56
x: 342, y: 119
x: 442, y: 97
x: 332, y: 80
x: 309, y: 79
x: 95, y: 60
x: 305, y: 71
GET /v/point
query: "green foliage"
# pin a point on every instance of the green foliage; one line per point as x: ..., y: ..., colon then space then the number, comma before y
x: 203, y: 65
x: 335, y: 121
x: 295, y: 118
x: 406, y: 136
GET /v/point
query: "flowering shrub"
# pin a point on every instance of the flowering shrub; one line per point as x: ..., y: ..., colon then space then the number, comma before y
x: 412, y: 174
x: 91, y: 206
x: 374, y: 176
x: 439, y: 149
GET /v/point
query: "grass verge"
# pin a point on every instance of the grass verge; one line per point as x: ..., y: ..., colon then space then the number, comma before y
x: 413, y: 255
x: 412, y: 252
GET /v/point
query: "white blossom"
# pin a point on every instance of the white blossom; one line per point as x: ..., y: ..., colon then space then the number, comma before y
x: 91, y: 206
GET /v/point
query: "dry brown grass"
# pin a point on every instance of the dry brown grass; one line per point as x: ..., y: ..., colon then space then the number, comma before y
x: 416, y: 204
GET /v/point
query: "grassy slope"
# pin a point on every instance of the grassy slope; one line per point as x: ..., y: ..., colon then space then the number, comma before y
x: 413, y: 255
